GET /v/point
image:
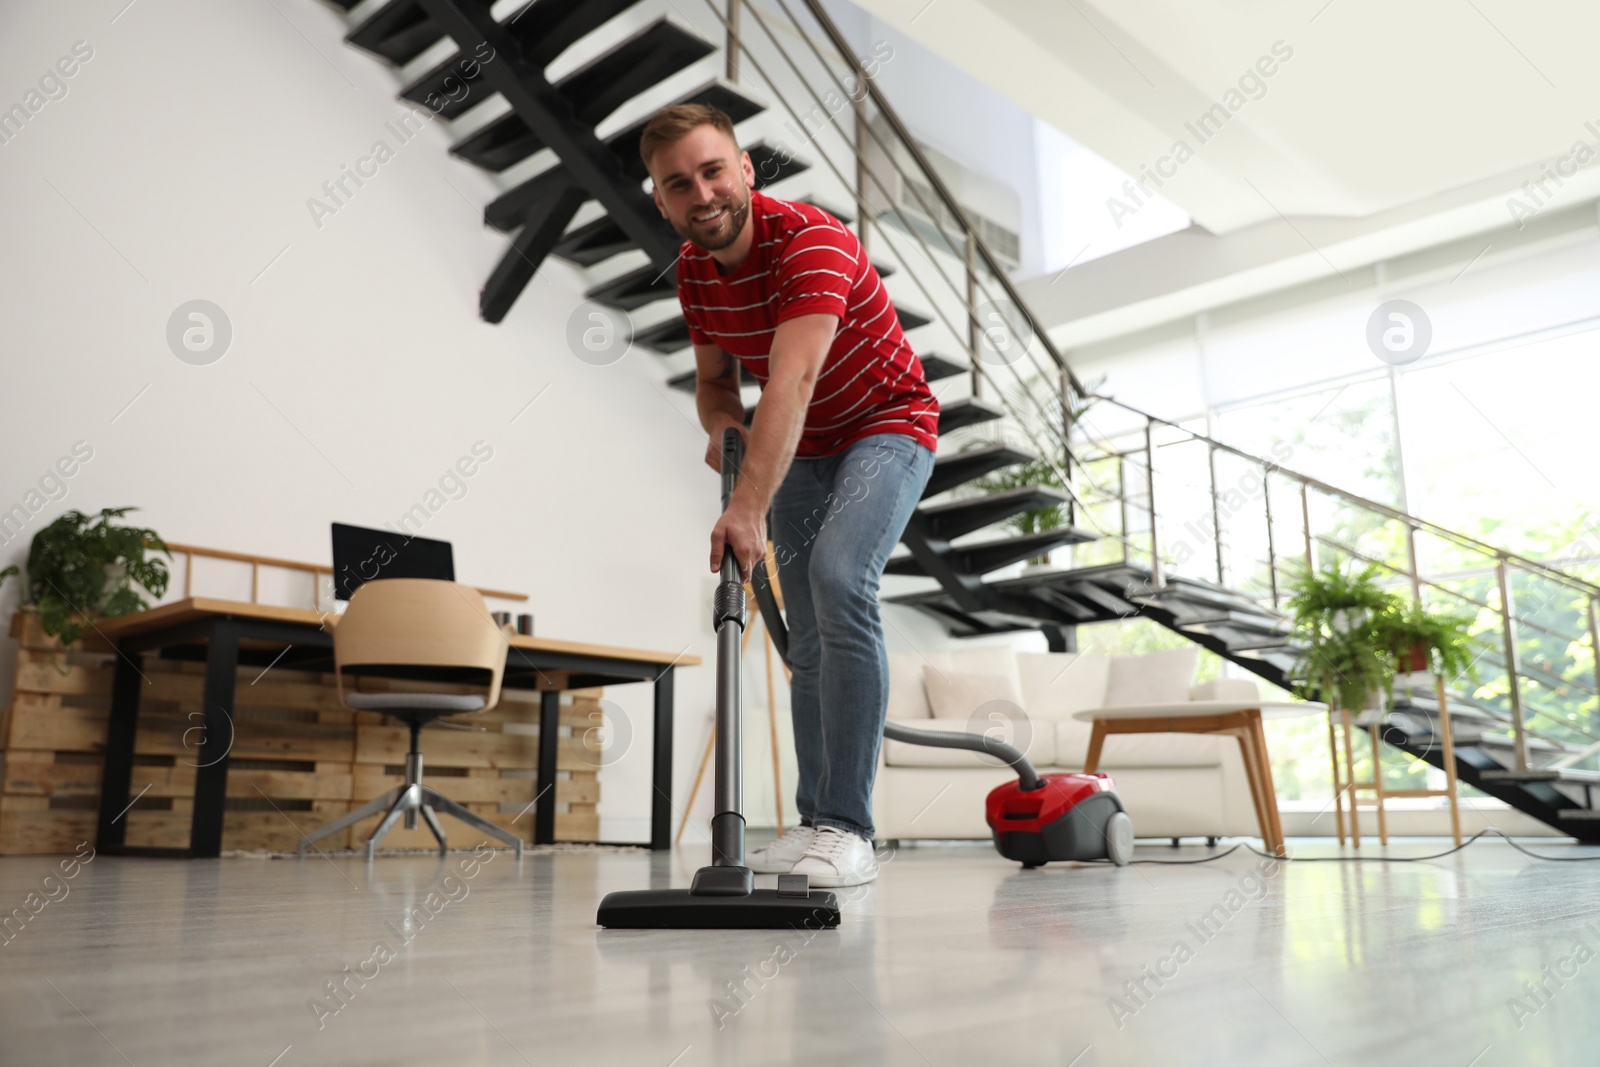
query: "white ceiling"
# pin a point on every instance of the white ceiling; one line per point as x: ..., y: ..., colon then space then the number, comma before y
x: 1405, y: 111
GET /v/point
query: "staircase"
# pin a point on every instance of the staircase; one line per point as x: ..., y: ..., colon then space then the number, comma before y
x: 563, y: 150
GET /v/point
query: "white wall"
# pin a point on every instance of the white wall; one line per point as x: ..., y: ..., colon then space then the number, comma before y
x: 178, y: 166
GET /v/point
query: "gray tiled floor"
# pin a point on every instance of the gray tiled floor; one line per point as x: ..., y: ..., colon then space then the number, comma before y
x: 953, y: 957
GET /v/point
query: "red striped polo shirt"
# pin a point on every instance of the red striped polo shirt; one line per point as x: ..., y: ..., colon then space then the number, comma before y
x: 804, y: 261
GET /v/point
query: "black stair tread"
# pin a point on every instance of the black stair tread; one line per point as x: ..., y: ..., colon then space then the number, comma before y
x: 955, y: 468
x: 648, y: 57
x: 595, y: 90
x: 546, y: 28
x: 634, y: 289
x: 684, y: 383
x: 1190, y: 592
x: 593, y: 242
x: 1235, y: 618
x: 440, y: 89
x: 1505, y: 740
x: 935, y: 367
x: 773, y: 165
x: 1239, y: 621
x: 1252, y: 642
x: 1544, y: 774
x: 949, y: 521
x: 1280, y: 660
x: 399, y: 32
x: 727, y: 98
x: 1098, y: 572
x: 910, y: 320
x: 666, y: 336
x: 955, y: 414
x: 984, y: 556
x: 543, y: 28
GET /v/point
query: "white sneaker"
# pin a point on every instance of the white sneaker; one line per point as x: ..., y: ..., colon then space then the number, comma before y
x: 836, y: 859
x: 781, y: 856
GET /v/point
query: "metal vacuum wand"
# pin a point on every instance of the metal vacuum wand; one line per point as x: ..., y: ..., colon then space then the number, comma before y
x: 727, y: 825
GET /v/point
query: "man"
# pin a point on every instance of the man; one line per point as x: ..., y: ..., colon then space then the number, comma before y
x: 840, y: 450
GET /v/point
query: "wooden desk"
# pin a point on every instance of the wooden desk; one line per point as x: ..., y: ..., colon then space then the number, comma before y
x: 226, y: 634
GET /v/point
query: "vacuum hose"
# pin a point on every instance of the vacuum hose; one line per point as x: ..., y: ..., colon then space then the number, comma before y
x: 989, y: 746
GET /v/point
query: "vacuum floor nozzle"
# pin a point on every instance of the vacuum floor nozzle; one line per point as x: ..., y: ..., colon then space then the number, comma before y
x: 679, y: 909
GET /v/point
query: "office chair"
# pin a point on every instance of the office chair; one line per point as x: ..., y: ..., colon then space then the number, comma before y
x: 410, y: 623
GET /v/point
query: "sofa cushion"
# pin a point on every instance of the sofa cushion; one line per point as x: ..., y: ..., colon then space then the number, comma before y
x: 1037, y: 741
x: 907, y: 698
x: 1152, y: 677
x: 961, y: 695
x: 985, y: 659
x: 1056, y: 684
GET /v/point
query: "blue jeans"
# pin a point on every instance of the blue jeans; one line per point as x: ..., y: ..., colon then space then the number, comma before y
x: 833, y: 523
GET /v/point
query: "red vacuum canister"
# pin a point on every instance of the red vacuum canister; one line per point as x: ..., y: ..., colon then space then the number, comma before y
x: 1068, y: 816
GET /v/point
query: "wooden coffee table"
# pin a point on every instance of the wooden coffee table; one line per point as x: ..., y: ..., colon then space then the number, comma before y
x: 1235, y: 717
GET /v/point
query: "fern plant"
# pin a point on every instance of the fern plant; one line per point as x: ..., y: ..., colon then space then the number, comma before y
x: 1440, y: 641
x: 81, y: 566
x: 1342, y: 620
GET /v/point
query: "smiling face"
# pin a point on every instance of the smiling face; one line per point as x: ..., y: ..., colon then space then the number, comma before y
x: 702, y: 187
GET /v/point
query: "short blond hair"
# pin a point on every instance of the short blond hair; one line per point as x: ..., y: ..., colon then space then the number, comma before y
x: 674, y: 123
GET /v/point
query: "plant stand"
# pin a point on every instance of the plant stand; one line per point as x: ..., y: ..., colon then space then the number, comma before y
x: 1346, y: 782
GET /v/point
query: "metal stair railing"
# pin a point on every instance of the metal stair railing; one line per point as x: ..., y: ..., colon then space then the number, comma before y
x: 1506, y: 567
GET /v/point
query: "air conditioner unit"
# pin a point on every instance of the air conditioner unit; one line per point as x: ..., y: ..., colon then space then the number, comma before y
x: 899, y: 195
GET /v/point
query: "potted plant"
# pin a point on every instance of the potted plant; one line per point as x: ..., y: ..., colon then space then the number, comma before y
x: 83, y: 566
x: 1421, y: 640
x: 1342, y: 619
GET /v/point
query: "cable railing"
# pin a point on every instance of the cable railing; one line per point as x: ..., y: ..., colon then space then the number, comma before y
x: 1046, y: 402
x: 1503, y: 574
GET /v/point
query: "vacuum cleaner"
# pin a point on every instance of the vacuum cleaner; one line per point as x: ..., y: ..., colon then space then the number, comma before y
x: 1041, y: 818
x: 723, y: 895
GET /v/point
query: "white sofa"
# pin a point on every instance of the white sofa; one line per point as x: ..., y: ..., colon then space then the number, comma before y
x: 1174, y: 785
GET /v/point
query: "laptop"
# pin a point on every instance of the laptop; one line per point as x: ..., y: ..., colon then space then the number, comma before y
x: 361, y: 555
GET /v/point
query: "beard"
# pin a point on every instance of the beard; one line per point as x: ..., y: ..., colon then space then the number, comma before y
x: 724, y: 231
